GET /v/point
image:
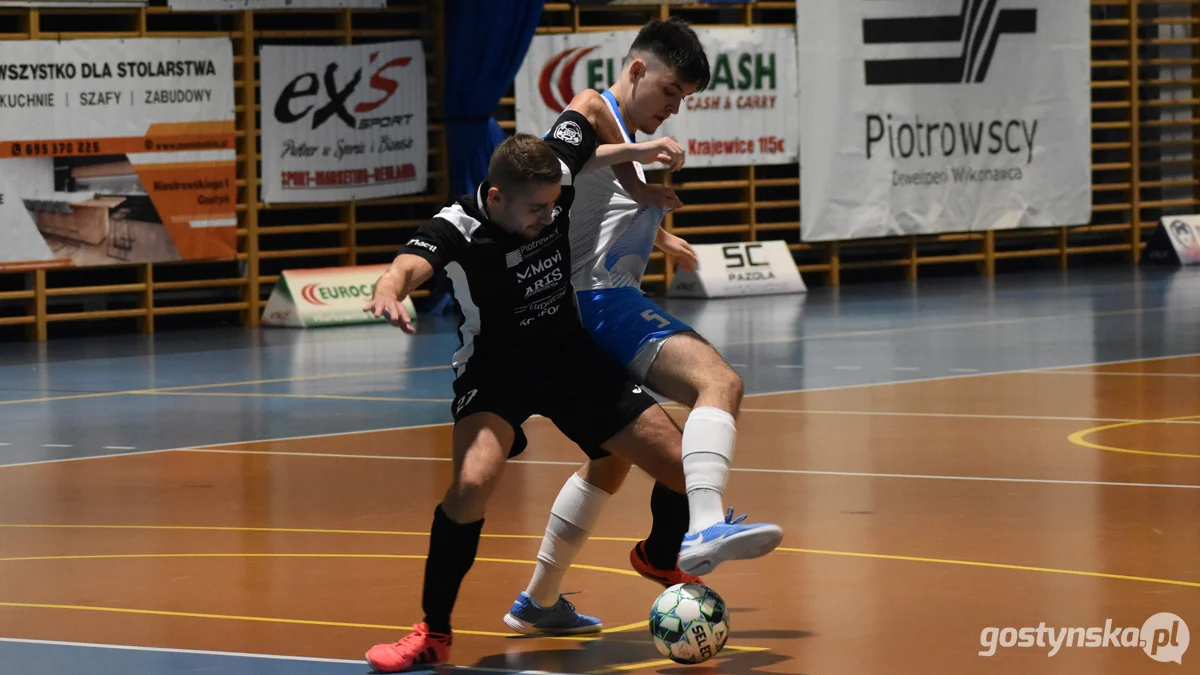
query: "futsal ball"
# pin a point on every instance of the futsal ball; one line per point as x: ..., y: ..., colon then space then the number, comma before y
x: 689, y: 623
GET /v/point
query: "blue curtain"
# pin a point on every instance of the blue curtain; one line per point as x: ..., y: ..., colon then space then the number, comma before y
x: 485, y: 45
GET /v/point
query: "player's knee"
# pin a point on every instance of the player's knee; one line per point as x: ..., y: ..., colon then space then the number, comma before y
x: 724, y: 388
x: 466, y: 500
x: 608, y: 473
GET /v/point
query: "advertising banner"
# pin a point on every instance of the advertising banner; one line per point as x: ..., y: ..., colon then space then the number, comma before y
x: 741, y: 269
x: 218, y: 5
x: 921, y: 117
x: 332, y: 296
x: 747, y: 115
x: 343, y: 123
x: 118, y: 150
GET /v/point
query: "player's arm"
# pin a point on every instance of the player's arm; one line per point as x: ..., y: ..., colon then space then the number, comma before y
x: 677, y: 249
x: 433, y: 246
x: 664, y: 150
x: 592, y: 106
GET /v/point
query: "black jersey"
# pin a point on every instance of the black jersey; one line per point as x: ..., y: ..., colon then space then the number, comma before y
x: 513, y: 295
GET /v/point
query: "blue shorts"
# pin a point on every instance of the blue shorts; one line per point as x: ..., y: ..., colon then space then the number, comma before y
x: 627, y: 326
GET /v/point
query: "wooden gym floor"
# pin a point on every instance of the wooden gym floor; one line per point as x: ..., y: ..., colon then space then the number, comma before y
x: 944, y: 459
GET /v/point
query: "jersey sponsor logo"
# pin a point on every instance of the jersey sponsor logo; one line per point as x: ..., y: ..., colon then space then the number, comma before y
x: 540, y: 266
x: 514, y: 258
x: 417, y: 243
x: 569, y: 132
x: 545, y: 283
x: 543, y: 303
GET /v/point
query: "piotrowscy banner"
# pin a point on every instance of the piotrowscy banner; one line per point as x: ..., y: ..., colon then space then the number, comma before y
x: 325, y: 297
x: 921, y: 117
x: 345, y: 122
x: 118, y: 150
x: 747, y: 115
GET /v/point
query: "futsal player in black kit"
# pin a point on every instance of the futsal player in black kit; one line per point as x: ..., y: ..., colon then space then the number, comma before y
x: 523, y: 350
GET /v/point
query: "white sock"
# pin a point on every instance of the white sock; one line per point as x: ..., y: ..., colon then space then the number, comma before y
x: 708, y: 437
x: 572, y: 517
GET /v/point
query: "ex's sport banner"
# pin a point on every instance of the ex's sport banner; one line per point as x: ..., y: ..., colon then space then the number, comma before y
x: 926, y: 116
x: 747, y: 115
x: 118, y: 150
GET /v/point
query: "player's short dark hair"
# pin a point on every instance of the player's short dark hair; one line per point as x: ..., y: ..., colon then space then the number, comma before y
x: 677, y: 45
x: 523, y: 159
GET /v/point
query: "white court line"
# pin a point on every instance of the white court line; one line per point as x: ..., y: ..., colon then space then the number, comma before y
x: 336, y: 455
x: 942, y: 378
x: 964, y: 370
x: 787, y: 365
x: 769, y: 393
x: 272, y: 657
x: 139, y: 453
x: 53, y: 445
x: 882, y: 413
x: 403, y: 458
x: 904, y: 369
x: 1102, y: 372
x: 56, y: 643
x: 847, y: 367
x: 118, y: 447
x: 991, y: 479
x: 951, y: 326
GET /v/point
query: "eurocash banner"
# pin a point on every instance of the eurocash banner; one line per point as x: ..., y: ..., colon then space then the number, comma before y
x: 217, y: 5
x: 325, y: 297
x: 742, y: 269
x: 746, y: 116
x: 921, y: 117
x: 119, y: 151
x: 345, y: 122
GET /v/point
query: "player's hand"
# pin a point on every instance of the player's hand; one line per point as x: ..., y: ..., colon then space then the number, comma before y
x: 666, y: 151
x: 386, y: 303
x: 651, y: 194
x: 678, y: 251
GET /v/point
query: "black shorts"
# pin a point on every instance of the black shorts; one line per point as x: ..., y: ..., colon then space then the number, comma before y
x: 587, y: 396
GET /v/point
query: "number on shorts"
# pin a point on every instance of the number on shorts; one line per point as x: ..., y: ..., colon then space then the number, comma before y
x: 464, y: 400
x: 651, y: 315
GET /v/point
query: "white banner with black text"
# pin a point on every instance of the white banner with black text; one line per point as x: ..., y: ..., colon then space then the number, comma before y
x: 343, y: 123
x: 924, y: 116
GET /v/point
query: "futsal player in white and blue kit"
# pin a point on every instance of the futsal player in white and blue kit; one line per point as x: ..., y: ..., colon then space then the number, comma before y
x: 619, y: 218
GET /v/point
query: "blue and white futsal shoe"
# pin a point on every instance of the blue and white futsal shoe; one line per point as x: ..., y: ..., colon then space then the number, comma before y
x: 703, y: 551
x: 560, y: 619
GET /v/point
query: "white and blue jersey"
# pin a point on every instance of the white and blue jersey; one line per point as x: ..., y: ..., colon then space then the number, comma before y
x: 611, y: 242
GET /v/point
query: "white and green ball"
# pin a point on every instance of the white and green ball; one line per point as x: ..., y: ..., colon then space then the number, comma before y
x: 689, y: 623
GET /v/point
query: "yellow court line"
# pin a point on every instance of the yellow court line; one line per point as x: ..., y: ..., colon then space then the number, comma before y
x: 1079, y: 438
x: 284, y: 530
x: 1002, y: 566
x: 232, y: 617
x: 158, y: 392
x: 879, y: 556
x: 301, y: 378
x: 655, y: 663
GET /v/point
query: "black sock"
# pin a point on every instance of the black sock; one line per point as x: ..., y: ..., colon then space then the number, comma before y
x: 452, y: 550
x: 670, y: 511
